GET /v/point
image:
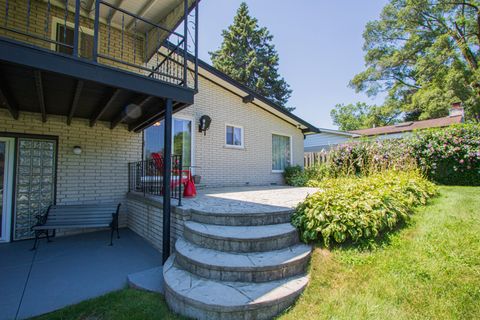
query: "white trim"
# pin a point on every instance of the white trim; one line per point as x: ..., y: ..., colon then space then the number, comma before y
x: 53, y: 34
x: 242, y: 136
x: 291, y: 149
x: 8, y: 188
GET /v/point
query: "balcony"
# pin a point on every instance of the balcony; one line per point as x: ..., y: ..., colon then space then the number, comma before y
x: 116, y: 61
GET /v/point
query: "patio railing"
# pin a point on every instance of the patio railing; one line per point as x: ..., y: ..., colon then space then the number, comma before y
x: 147, y: 177
x: 109, y: 35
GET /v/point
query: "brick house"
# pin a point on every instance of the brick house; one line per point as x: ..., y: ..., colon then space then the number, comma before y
x: 89, y: 91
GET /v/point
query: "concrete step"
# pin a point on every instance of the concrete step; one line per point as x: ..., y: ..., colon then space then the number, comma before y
x: 245, y: 267
x: 241, y: 238
x: 242, y: 219
x: 202, y: 298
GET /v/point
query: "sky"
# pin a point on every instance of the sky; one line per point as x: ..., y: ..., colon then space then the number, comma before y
x: 319, y: 43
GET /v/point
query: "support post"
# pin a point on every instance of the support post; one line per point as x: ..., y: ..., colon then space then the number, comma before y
x: 185, y: 43
x: 167, y: 171
x: 76, y: 32
x: 96, y: 30
x: 196, y: 45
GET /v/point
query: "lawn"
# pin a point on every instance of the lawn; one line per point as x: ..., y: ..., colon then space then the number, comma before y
x: 428, y: 270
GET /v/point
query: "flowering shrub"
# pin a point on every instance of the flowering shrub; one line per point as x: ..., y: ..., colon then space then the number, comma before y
x: 450, y: 155
x: 354, y: 209
x: 446, y: 155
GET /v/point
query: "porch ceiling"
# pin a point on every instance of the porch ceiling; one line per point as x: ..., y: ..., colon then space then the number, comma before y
x: 35, y: 80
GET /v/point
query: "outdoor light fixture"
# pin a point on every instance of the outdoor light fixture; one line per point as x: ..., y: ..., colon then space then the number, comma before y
x: 204, y: 124
x: 77, y: 150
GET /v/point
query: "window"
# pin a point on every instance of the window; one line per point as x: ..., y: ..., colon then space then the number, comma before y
x: 281, y: 152
x: 182, y: 140
x: 233, y: 136
x: 65, y: 34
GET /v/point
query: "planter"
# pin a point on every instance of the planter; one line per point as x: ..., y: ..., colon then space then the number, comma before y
x: 196, y: 179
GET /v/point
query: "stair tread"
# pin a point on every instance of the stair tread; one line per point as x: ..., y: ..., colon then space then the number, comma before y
x: 242, y: 261
x: 222, y: 295
x: 240, y: 232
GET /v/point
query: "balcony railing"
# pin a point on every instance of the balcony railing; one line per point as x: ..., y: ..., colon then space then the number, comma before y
x: 111, y: 36
x: 147, y: 177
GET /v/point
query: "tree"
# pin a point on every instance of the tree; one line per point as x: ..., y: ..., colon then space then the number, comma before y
x: 361, y: 115
x: 425, y: 54
x: 248, y: 56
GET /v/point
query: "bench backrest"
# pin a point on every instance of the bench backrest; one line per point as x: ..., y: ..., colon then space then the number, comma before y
x: 90, y: 212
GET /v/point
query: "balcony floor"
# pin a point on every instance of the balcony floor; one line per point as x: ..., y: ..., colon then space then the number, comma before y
x: 68, y: 270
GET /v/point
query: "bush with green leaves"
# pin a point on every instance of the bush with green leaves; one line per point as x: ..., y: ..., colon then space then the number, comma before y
x: 298, y: 177
x: 446, y: 155
x: 360, y: 208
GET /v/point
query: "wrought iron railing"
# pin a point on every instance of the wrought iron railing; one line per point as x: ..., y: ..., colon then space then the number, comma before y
x: 120, y: 38
x: 147, y: 177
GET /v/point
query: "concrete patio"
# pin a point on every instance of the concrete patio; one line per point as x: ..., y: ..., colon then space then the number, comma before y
x: 68, y: 270
x: 259, y: 199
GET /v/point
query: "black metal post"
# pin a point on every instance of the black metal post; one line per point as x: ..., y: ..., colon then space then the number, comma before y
x: 96, y: 30
x: 76, y: 34
x: 185, y: 42
x: 167, y: 171
x: 196, y: 45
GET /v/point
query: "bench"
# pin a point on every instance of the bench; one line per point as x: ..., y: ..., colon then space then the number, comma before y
x: 75, y: 217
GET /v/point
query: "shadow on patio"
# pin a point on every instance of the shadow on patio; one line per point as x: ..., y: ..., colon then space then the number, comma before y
x: 68, y: 270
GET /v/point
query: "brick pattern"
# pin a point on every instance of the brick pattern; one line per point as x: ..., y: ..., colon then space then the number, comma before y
x: 39, y: 26
x: 145, y: 217
x: 100, y: 173
x: 222, y: 166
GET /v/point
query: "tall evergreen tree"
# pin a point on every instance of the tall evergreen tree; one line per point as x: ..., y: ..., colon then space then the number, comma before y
x: 248, y: 56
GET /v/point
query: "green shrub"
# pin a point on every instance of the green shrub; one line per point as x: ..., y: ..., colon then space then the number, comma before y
x: 298, y: 177
x: 449, y: 156
x: 358, y: 208
x: 446, y: 155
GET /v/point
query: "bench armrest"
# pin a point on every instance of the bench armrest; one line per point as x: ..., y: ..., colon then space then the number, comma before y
x: 42, y: 218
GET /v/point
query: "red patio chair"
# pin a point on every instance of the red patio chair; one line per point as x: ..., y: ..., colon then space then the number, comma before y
x: 184, y: 175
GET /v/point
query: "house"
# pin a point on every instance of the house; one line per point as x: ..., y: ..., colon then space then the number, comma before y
x: 88, y: 91
x: 326, y: 139
x: 400, y: 130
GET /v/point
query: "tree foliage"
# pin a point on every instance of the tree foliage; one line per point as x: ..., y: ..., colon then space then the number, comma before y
x: 248, y: 55
x: 425, y: 54
x: 361, y: 115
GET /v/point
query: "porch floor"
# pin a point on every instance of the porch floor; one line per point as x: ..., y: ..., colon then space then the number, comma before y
x: 68, y: 270
x: 248, y: 199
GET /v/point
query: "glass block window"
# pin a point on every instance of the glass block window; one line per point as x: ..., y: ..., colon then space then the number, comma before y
x: 35, y: 183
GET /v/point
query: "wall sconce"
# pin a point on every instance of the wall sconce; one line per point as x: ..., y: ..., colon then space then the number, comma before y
x: 204, y: 124
x: 77, y: 150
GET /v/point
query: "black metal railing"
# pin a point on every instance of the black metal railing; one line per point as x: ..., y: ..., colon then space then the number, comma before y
x: 112, y: 36
x: 147, y: 177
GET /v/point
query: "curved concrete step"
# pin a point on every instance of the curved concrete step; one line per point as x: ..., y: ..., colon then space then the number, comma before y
x: 246, y: 267
x: 241, y: 238
x: 242, y: 219
x: 201, y: 298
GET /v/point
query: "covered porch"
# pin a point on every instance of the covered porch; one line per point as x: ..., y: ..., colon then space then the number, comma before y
x: 68, y: 270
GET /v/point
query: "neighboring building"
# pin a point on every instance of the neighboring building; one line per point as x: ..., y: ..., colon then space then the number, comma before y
x: 326, y: 139
x: 456, y: 115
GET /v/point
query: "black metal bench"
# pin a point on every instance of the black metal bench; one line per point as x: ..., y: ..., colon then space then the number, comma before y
x: 77, y: 216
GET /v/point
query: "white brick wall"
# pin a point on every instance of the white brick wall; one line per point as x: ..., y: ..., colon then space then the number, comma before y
x: 220, y: 166
x: 100, y: 173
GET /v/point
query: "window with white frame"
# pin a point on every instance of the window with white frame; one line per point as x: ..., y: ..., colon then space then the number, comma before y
x: 63, y: 32
x: 281, y: 152
x: 233, y: 136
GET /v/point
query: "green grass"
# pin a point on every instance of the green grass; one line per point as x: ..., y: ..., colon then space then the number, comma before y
x: 430, y: 269
x: 127, y: 304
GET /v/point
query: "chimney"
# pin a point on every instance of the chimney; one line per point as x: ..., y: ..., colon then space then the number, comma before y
x: 456, y: 110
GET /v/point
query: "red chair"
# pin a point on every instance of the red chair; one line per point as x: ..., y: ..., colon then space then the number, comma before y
x: 185, y: 176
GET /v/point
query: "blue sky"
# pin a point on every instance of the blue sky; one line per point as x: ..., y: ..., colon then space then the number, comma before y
x: 319, y: 43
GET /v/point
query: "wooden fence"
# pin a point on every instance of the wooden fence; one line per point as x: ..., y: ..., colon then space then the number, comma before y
x: 312, y: 158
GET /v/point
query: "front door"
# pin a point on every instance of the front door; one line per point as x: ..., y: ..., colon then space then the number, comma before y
x: 6, y: 184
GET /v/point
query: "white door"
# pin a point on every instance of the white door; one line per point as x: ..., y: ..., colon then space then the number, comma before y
x: 6, y: 184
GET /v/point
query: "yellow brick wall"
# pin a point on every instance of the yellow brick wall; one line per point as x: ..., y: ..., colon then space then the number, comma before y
x: 222, y: 166
x: 41, y: 24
